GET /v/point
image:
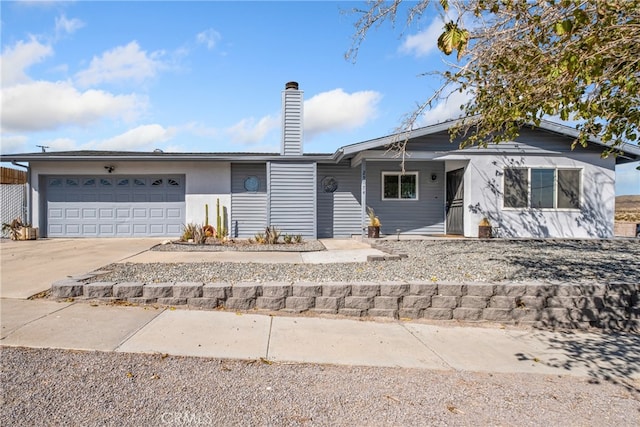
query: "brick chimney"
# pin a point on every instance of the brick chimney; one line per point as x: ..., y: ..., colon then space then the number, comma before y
x: 291, y: 120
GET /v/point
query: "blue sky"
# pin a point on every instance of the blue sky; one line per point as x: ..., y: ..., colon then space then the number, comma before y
x: 207, y: 76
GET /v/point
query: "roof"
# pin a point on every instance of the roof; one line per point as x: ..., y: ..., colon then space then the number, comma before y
x: 628, y: 152
x: 87, y: 155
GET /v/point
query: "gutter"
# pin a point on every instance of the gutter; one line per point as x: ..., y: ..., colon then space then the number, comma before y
x: 13, y: 162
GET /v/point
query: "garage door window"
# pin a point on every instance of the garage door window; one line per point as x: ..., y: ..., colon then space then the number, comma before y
x: 91, y: 182
x: 105, y: 182
x: 123, y: 183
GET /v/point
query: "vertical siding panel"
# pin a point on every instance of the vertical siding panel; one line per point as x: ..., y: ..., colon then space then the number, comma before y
x: 248, y: 209
x: 422, y: 216
x: 292, y: 122
x: 292, y: 198
x: 339, y: 213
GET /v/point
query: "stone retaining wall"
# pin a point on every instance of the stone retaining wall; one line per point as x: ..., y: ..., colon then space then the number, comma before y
x: 614, y: 306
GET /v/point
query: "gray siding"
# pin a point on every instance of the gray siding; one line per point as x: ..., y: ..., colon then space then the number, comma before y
x: 529, y: 141
x: 292, y: 198
x: 422, y: 216
x: 248, y: 208
x: 340, y: 212
x: 292, y: 122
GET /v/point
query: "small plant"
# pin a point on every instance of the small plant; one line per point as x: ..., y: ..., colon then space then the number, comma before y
x: 194, y: 232
x: 199, y: 235
x: 272, y: 235
x: 259, y: 238
x: 287, y: 239
x: 14, y: 227
x: 187, y: 232
x: 297, y: 238
x: 374, y: 221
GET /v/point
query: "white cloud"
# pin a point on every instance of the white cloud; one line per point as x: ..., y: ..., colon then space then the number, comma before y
x: 123, y: 63
x: 326, y: 112
x: 144, y: 137
x: 209, y: 37
x: 446, y: 109
x: 15, y: 60
x: 13, y: 144
x: 45, y: 105
x: 200, y: 129
x: 60, y: 144
x: 250, y: 131
x: 67, y: 26
x: 424, y: 42
x: 337, y: 110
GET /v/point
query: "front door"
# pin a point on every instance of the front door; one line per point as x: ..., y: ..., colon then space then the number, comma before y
x: 455, y: 200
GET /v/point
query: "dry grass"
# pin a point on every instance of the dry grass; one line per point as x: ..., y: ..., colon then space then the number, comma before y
x: 628, y: 208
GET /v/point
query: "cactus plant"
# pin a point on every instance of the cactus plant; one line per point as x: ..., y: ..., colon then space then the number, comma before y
x: 218, y: 219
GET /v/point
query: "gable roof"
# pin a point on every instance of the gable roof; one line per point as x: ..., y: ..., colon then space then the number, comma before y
x: 628, y: 152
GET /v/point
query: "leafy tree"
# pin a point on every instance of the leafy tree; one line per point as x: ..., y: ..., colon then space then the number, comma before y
x: 523, y: 60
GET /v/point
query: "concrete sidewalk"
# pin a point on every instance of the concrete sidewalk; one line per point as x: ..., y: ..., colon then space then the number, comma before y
x: 230, y: 335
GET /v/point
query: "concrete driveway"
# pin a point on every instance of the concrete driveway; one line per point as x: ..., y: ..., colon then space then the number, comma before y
x: 29, y: 267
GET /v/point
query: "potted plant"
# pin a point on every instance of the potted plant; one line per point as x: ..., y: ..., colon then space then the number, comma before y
x: 20, y: 231
x: 373, y: 230
x: 484, y: 229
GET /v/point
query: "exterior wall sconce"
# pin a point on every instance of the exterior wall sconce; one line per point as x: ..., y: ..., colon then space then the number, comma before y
x: 110, y: 168
x: 434, y: 177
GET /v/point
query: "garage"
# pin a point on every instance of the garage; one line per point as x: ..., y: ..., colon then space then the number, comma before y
x: 115, y: 206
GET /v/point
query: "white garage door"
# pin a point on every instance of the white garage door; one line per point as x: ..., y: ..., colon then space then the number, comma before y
x: 115, y: 206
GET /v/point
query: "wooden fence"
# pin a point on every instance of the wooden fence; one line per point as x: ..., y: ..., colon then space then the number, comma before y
x: 13, y: 176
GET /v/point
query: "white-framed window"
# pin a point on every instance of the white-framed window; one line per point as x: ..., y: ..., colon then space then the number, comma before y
x: 542, y: 188
x: 398, y: 186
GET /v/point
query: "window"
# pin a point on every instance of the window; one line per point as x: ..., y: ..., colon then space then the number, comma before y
x: 569, y: 189
x: 396, y: 186
x: 542, y: 188
x: 516, y: 184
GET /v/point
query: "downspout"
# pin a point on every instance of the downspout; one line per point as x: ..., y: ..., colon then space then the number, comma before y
x: 363, y: 196
x: 13, y: 162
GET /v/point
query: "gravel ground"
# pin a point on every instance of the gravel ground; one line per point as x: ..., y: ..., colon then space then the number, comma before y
x: 601, y: 261
x: 57, y: 387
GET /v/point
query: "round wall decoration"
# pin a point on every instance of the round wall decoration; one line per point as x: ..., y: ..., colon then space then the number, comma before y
x: 329, y: 184
x: 251, y: 183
